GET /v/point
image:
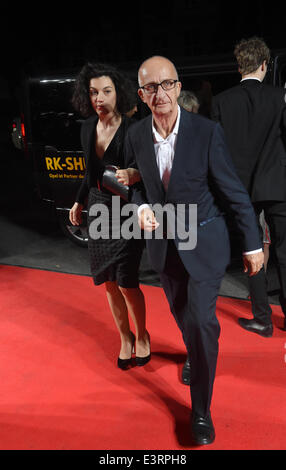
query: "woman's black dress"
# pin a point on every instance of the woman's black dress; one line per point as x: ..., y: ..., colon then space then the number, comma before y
x: 111, y: 259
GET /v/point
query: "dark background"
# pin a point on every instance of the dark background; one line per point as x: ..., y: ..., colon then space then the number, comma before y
x: 45, y: 37
x: 51, y: 36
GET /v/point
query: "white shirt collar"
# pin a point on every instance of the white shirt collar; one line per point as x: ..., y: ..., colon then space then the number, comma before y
x: 158, y: 137
x: 250, y: 78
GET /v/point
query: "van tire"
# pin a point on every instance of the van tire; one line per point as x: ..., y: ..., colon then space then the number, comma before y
x: 77, y: 234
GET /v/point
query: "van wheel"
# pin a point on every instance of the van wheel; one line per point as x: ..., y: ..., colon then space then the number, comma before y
x: 77, y: 234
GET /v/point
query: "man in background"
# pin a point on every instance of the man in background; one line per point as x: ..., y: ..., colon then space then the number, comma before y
x: 253, y: 116
x: 189, y: 101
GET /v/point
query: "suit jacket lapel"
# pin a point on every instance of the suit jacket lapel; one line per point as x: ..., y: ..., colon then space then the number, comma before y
x: 184, y: 139
x: 150, y: 159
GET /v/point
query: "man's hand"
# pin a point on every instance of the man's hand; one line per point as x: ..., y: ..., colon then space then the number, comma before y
x: 253, y: 263
x: 147, y: 220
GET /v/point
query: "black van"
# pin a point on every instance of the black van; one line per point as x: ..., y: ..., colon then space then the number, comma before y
x: 49, y: 128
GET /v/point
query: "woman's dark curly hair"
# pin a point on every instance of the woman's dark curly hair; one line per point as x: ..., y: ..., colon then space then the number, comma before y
x: 125, y: 89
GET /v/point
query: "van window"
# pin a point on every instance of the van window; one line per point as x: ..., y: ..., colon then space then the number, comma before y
x: 54, y: 121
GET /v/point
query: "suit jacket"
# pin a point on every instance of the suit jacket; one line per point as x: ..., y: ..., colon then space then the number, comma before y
x: 202, y: 174
x: 253, y: 116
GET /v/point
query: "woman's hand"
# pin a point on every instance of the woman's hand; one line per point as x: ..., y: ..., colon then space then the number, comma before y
x: 128, y: 176
x: 75, y: 213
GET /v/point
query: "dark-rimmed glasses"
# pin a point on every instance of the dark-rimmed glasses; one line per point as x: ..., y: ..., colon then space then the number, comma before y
x: 151, y: 88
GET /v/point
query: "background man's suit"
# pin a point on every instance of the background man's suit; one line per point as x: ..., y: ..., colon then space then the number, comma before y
x: 253, y: 116
x: 202, y: 170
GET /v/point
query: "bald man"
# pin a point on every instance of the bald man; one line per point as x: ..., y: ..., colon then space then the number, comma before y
x: 183, y: 159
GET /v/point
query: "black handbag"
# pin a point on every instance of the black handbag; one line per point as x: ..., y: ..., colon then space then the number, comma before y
x: 110, y: 182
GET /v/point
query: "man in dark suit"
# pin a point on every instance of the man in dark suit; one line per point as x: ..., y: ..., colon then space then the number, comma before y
x: 183, y: 159
x: 253, y: 116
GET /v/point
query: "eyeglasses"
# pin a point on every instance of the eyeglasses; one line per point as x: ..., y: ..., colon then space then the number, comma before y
x: 151, y: 88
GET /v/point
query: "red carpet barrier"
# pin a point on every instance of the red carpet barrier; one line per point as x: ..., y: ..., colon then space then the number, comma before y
x: 61, y: 389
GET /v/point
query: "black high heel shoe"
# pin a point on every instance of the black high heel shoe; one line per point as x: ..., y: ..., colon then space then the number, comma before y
x: 141, y: 361
x: 125, y: 363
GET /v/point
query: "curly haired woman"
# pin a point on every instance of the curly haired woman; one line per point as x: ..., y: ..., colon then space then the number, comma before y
x: 103, y: 95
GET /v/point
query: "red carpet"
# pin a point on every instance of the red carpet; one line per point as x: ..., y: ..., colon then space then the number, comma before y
x: 61, y: 389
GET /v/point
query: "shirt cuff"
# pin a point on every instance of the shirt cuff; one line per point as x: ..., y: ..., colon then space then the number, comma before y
x: 252, y: 252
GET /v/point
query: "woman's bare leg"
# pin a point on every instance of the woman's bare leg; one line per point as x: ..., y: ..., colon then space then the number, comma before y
x: 135, y: 302
x: 120, y: 314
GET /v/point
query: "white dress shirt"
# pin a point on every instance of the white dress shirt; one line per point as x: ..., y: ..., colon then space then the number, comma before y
x: 250, y: 78
x: 165, y: 150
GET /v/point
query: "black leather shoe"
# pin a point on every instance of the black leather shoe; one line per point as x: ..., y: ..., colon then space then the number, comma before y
x: 141, y: 361
x: 125, y: 363
x: 186, y: 373
x: 256, y: 327
x: 203, y: 432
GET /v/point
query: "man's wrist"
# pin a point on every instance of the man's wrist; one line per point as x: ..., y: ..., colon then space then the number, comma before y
x: 252, y: 252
